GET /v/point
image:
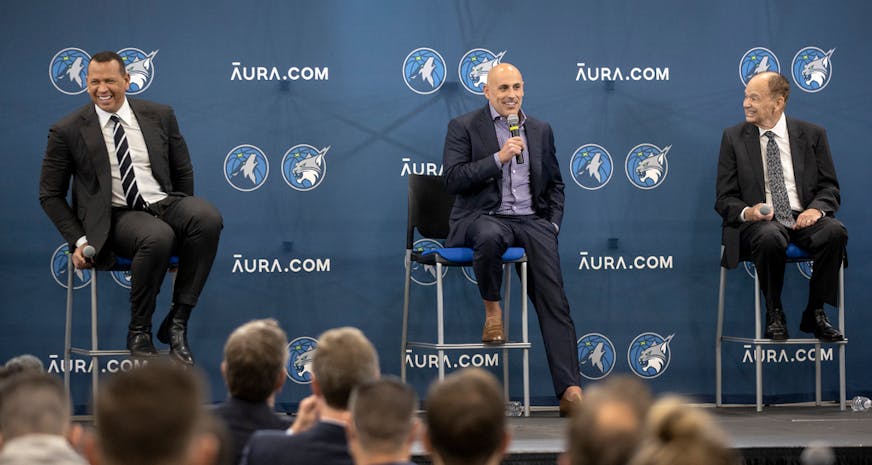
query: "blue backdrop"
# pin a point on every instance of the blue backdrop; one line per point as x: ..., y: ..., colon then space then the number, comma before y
x: 348, y: 87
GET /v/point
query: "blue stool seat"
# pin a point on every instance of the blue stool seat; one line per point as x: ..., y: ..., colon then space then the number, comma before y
x: 463, y: 255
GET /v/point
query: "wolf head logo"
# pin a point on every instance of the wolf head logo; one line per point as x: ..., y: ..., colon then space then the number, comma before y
x: 303, y: 363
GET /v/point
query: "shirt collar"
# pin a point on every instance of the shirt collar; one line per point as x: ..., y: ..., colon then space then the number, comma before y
x: 780, y: 128
x: 497, y: 117
x: 125, y: 113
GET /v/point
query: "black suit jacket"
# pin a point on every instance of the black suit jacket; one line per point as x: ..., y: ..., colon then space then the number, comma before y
x: 76, y: 150
x: 740, y: 181
x: 243, y: 418
x: 323, y: 444
x: 472, y: 175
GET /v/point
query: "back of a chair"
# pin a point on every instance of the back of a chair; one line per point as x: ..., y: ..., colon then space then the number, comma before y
x: 429, y: 208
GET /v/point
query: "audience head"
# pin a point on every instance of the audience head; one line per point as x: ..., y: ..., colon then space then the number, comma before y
x: 607, y: 427
x: 344, y: 359
x: 24, y: 362
x: 466, y: 420
x: 153, y: 415
x: 33, y: 403
x: 255, y: 357
x: 383, y: 422
x: 678, y: 434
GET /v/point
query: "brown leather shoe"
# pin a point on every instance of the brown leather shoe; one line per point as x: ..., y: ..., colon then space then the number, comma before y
x: 493, y: 331
x: 571, y: 399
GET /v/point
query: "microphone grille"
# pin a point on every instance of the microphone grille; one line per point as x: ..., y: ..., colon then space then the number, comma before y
x: 513, y: 120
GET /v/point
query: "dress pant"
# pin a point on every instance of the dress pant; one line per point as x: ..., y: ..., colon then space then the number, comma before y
x: 186, y: 226
x: 766, y: 243
x: 489, y: 236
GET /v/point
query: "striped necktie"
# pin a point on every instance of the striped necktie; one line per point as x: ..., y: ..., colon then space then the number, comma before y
x: 125, y: 166
x: 776, y: 182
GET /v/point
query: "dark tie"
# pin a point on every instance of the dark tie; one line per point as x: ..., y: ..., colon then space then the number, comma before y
x: 125, y: 166
x: 777, y: 188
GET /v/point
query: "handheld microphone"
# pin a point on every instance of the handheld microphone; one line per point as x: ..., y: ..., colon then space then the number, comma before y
x: 765, y: 209
x: 89, y: 251
x: 515, y: 127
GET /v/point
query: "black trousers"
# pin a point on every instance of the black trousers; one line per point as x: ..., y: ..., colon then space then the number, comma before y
x: 766, y: 242
x: 489, y: 237
x: 186, y: 226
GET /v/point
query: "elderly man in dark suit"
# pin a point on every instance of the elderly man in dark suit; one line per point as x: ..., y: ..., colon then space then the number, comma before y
x: 132, y: 196
x: 510, y: 193
x: 777, y: 184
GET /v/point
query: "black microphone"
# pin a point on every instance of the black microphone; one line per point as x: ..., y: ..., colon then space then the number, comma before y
x: 515, y: 127
x: 765, y: 209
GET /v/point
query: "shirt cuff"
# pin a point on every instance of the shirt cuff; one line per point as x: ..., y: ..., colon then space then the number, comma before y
x: 497, y: 160
x: 82, y: 241
x: 742, y: 215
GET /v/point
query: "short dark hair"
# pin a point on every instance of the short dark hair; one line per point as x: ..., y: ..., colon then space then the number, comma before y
x: 779, y: 86
x: 149, y: 414
x: 466, y: 420
x: 383, y: 412
x: 33, y: 402
x: 255, y: 355
x: 344, y: 359
x: 107, y: 56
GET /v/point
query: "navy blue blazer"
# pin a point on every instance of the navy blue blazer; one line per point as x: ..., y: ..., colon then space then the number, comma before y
x: 243, y: 418
x: 324, y: 444
x: 472, y: 175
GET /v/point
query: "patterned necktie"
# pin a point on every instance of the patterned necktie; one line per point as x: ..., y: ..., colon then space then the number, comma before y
x: 125, y: 166
x: 776, y: 182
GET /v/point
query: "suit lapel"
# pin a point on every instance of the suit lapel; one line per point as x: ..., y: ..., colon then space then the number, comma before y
x: 752, y: 145
x: 488, y: 132
x: 92, y: 134
x: 150, y: 126
x: 797, y: 155
x: 534, y: 154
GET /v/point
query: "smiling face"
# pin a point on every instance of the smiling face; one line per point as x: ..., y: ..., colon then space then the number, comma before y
x: 761, y: 106
x: 505, y: 89
x: 107, y: 83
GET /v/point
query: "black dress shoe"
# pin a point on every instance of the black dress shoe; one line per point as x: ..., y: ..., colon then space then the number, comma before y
x: 139, y: 344
x: 174, y: 331
x: 776, y: 329
x: 816, y: 322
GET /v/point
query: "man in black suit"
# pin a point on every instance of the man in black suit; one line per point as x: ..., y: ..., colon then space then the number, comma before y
x: 502, y: 202
x: 785, y: 165
x: 132, y: 196
x: 255, y: 357
x: 343, y: 360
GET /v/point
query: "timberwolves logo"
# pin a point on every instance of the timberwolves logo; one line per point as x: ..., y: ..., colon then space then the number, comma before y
x: 649, y: 355
x: 812, y: 68
x: 246, y: 168
x: 647, y: 166
x: 304, y: 167
x: 474, y: 67
x: 140, y: 67
x: 596, y: 356
x: 122, y: 278
x: 68, y: 71
x: 750, y: 269
x: 469, y: 274
x: 805, y: 268
x: 424, y: 71
x: 299, y: 366
x: 756, y: 61
x: 591, y: 166
x: 422, y: 274
x: 59, y: 260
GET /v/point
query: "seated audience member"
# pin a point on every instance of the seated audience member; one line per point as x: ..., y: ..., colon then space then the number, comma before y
x: 343, y: 360
x: 153, y: 415
x: 255, y: 356
x: 383, y: 425
x: 35, y: 424
x: 25, y: 362
x: 466, y: 421
x: 607, y: 427
x: 678, y: 434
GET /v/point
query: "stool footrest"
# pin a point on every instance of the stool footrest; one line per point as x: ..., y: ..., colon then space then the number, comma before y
x: 804, y: 341
x: 471, y: 345
x: 104, y: 353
